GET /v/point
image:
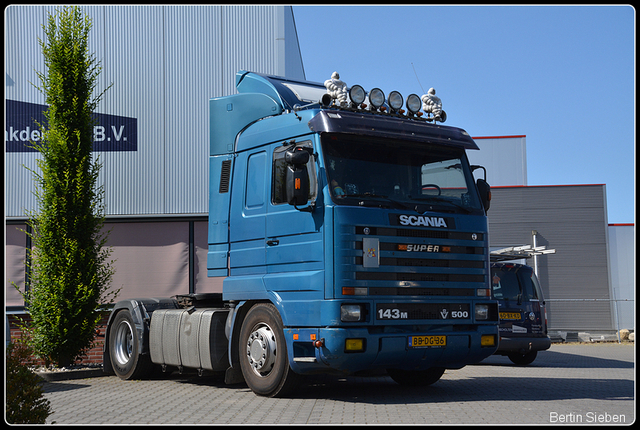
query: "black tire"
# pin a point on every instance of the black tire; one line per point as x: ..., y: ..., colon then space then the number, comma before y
x: 523, y: 359
x: 262, y: 353
x: 416, y: 378
x: 124, y: 349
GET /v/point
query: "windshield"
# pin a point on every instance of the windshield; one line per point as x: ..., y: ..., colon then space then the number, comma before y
x: 515, y: 283
x: 407, y: 175
x: 505, y: 285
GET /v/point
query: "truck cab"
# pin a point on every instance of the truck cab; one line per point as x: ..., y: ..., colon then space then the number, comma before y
x: 364, y: 228
x: 523, y: 314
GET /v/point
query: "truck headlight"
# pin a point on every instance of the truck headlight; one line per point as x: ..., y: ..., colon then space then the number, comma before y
x: 351, y: 313
x: 482, y: 312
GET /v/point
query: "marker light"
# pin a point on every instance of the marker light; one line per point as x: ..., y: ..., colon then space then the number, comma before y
x: 354, y: 291
x: 395, y: 100
x: 376, y: 97
x: 414, y: 103
x: 357, y: 94
x: 488, y: 340
x: 354, y: 345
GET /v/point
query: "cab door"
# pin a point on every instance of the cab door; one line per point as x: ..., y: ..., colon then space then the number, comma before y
x: 293, y: 237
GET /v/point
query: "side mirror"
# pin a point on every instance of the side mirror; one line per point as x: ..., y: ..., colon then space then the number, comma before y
x: 485, y: 193
x: 297, y: 157
x: 297, y: 177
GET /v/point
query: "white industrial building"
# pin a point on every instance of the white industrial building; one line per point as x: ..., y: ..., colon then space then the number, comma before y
x: 165, y: 63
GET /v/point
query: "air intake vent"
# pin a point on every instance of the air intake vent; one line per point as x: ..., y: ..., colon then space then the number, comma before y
x: 225, y: 176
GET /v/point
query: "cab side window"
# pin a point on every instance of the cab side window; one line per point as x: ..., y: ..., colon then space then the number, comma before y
x: 278, y: 180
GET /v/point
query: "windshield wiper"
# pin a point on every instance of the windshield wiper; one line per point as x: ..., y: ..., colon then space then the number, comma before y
x: 442, y: 200
x: 378, y: 196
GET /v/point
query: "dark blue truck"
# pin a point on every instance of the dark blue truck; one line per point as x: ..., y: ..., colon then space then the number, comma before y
x: 523, y: 313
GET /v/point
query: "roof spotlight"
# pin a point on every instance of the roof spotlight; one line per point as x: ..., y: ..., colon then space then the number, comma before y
x: 414, y: 103
x: 326, y: 100
x: 357, y: 94
x: 376, y: 97
x: 395, y: 100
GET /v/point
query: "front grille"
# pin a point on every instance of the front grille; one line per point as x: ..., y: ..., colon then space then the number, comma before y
x: 413, y: 262
x: 416, y: 291
x: 419, y: 233
x: 424, y: 262
x: 417, y: 277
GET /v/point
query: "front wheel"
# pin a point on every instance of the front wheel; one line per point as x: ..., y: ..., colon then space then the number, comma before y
x: 263, y: 353
x: 124, y: 349
x: 416, y: 378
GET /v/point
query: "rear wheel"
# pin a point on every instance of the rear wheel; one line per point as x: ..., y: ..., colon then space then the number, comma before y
x: 416, y: 378
x: 263, y: 353
x: 523, y: 359
x: 124, y: 349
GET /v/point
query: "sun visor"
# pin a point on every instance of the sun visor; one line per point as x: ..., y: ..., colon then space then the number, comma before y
x: 329, y: 121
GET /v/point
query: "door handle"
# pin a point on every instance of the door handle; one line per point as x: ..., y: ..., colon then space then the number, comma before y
x: 273, y: 242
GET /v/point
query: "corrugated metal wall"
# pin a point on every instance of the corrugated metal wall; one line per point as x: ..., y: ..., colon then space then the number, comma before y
x: 572, y: 220
x: 505, y: 159
x: 23, y: 28
x: 165, y: 63
x: 623, y: 272
x: 134, y: 49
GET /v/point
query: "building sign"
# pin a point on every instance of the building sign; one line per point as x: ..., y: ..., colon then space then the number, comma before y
x: 110, y: 132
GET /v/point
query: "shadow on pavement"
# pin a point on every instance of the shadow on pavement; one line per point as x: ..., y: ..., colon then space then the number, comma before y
x: 493, y: 388
x: 562, y: 360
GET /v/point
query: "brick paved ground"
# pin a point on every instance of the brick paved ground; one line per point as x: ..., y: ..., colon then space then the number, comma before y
x: 578, y: 383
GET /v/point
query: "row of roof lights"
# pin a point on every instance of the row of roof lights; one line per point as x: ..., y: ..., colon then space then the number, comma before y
x: 357, y: 94
x: 337, y: 92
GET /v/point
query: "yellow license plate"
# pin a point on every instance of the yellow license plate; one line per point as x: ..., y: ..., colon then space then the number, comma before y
x: 427, y: 341
x: 509, y: 315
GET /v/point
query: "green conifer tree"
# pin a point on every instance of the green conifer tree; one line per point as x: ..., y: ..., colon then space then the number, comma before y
x: 70, y: 270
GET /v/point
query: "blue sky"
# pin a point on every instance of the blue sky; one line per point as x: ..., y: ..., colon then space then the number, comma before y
x: 564, y: 76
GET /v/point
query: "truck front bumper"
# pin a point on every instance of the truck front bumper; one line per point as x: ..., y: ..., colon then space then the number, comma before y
x: 321, y: 350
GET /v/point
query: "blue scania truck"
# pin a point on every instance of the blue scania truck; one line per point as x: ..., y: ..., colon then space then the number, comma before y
x: 351, y: 235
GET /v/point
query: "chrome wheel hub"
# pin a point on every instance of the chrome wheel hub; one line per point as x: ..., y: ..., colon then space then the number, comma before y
x: 261, y: 350
x: 123, y: 347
